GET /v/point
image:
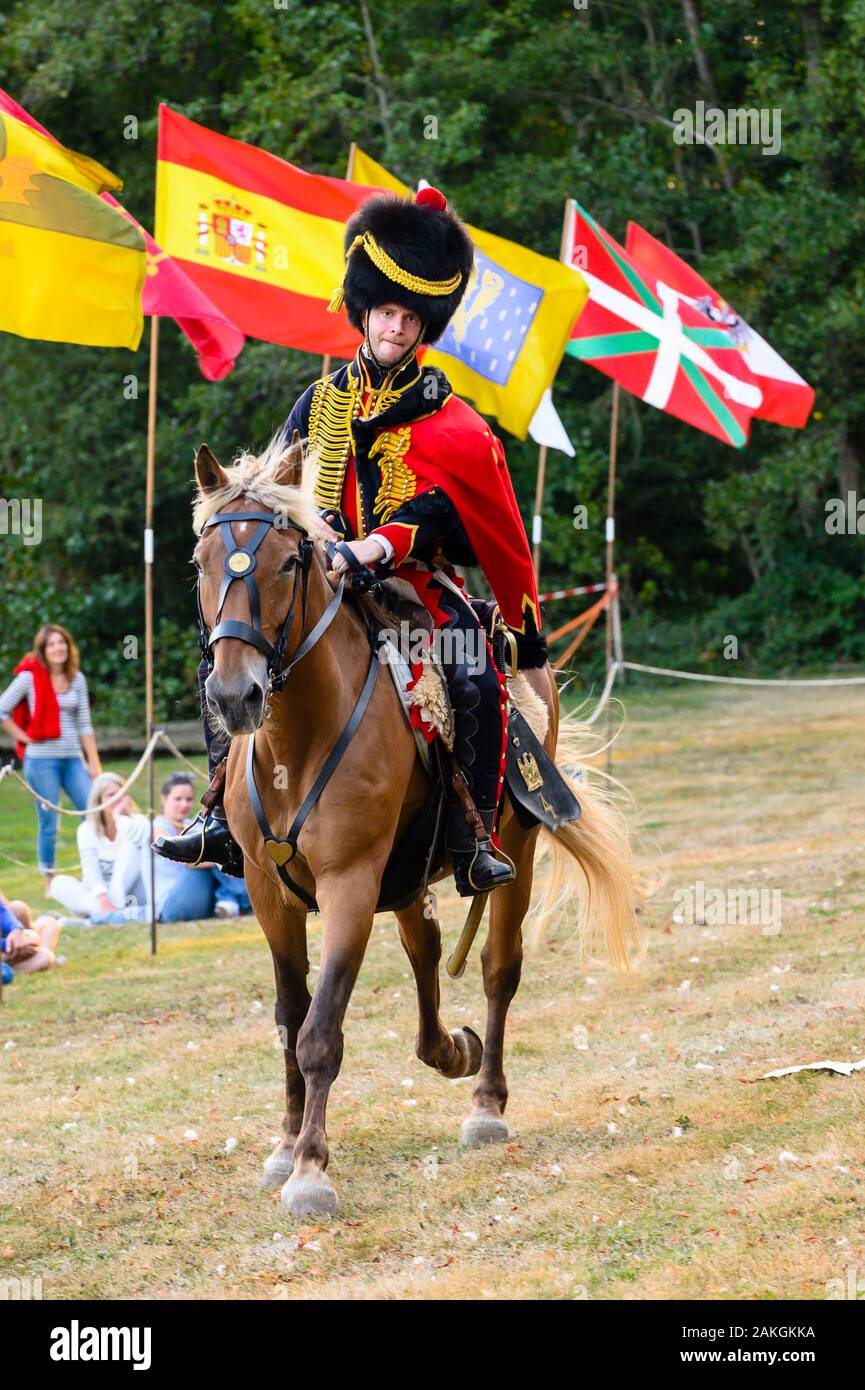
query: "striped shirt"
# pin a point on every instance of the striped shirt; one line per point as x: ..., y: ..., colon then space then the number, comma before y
x: 74, y: 715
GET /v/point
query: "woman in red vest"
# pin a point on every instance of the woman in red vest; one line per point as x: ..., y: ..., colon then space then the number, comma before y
x: 46, y: 710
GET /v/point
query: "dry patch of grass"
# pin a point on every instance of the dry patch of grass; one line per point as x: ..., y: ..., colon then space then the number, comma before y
x: 645, y: 1162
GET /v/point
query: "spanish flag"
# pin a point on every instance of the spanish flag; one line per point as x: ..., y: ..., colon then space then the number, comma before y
x: 503, y: 346
x: 71, y: 267
x: 262, y: 238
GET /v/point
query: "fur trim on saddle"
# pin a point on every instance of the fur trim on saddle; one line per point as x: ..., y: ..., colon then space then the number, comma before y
x: 428, y: 697
x: 429, y: 702
x: 530, y: 705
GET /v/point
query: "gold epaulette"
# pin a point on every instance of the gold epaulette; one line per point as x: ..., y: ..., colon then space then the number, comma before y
x: 331, y: 413
x: 398, y: 481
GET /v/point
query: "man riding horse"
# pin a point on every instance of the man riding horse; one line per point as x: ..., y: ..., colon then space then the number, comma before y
x: 410, y: 479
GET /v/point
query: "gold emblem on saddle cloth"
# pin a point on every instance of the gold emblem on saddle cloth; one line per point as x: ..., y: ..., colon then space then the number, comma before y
x: 531, y: 773
x: 398, y: 481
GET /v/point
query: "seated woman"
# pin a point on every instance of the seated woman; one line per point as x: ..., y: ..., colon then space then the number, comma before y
x: 111, y: 860
x: 28, y: 946
x: 184, y: 892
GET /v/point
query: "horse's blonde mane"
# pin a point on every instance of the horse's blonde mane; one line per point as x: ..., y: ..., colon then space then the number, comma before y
x: 255, y: 477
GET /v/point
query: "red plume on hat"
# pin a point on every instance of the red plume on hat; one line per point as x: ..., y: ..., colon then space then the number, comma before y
x: 409, y: 251
x: 429, y: 197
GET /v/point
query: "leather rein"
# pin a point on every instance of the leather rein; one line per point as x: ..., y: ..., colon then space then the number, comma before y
x: 240, y: 563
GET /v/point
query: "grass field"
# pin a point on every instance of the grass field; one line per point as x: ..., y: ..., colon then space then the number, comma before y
x: 646, y: 1159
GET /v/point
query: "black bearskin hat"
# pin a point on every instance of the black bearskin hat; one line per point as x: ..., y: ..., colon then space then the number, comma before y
x: 409, y: 251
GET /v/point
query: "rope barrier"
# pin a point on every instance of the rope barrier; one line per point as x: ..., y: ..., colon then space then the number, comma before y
x: 159, y: 736
x: 34, y: 868
x: 736, y: 680
x: 571, y: 593
x: 181, y: 757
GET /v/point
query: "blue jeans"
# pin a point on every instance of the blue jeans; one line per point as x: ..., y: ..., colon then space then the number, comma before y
x: 191, y: 897
x: 234, y: 888
x: 196, y: 893
x: 46, y: 777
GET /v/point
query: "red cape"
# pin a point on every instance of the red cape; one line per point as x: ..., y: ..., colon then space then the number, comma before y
x: 45, y: 722
x: 457, y: 451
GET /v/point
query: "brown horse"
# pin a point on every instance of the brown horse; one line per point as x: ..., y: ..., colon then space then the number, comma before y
x: 376, y: 790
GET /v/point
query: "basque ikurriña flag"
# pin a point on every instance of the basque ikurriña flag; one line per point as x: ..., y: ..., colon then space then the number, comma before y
x: 641, y: 332
x: 787, y: 398
x: 262, y: 238
x: 504, y: 344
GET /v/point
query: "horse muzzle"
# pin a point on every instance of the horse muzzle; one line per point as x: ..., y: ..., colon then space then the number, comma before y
x: 238, y: 705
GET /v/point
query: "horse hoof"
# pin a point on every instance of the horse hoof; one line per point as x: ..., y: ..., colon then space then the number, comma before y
x: 479, y: 1130
x: 278, y: 1167
x: 309, y: 1196
x: 470, y: 1048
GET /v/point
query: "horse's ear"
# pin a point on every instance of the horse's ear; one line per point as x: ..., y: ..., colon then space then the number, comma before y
x: 290, y: 468
x: 208, y: 470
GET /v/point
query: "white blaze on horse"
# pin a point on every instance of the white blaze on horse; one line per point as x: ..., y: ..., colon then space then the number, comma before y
x: 296, y: 682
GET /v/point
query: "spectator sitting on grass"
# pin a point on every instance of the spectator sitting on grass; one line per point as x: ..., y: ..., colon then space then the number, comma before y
x: 28, y: 946
x: 186, y: 893
x: 111, y: 860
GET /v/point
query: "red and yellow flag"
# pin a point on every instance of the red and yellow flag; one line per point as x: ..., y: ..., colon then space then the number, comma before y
x: 262, y: 238
x: 71, y: 267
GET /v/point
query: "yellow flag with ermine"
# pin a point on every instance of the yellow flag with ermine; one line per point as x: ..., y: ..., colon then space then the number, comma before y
x: 503, y: 346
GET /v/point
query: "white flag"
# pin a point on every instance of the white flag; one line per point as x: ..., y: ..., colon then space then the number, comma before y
x: 547, y: 428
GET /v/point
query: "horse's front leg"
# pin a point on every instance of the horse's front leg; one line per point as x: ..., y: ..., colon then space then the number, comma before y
x: 347, y: 907
x: 285, y: 929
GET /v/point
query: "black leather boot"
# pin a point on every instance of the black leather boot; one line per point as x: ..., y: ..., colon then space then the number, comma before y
x: 475, y: 867
x: 208, y: 839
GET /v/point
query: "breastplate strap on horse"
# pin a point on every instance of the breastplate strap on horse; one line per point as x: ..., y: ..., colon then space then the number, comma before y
x: 283, y: 851
x: 240, y: 563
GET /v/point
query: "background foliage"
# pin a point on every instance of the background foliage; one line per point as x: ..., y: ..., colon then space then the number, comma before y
x: 535, y: 101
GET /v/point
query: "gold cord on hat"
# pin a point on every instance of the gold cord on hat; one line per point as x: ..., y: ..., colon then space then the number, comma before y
x: 389, y: 268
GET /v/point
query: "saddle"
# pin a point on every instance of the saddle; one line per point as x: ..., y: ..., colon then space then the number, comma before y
x: 537, y: 790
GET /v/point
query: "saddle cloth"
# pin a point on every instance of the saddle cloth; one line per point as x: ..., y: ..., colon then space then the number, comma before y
x: 537, y: 788
x: 538, y: 791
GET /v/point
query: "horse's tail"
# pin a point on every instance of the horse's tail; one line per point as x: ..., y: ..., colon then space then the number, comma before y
x: 593, y: 873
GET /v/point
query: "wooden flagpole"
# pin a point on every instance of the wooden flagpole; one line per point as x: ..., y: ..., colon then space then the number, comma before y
x: 537, y: 518
x: 349, y: 175
x: 610, y: 533
x: 148, y: 599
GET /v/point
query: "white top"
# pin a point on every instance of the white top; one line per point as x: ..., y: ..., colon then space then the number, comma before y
x: 98, y: 855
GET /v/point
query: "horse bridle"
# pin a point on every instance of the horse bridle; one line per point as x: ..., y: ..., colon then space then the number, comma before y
x: 240, y: 563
